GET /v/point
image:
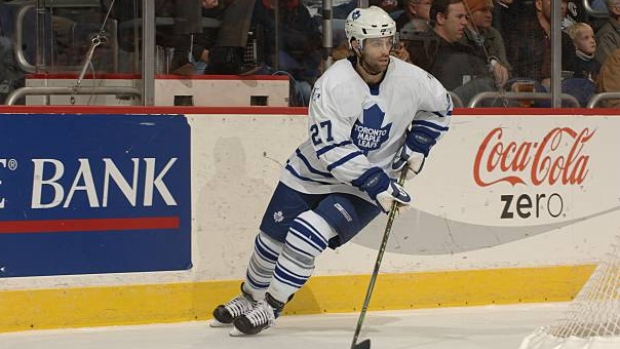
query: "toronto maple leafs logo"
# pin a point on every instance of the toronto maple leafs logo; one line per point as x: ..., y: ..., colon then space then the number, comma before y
x: 369, y: 133
x: 355, y: 15
x: 278, y: 216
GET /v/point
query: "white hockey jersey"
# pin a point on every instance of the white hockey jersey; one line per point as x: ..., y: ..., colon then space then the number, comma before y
x: 354, y: 127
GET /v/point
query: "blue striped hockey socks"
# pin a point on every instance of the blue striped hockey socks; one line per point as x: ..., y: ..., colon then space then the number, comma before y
x: 262, y: 264
x: 307, y: 237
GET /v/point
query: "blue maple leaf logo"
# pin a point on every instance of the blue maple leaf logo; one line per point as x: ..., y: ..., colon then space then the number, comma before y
x: 370, y: 133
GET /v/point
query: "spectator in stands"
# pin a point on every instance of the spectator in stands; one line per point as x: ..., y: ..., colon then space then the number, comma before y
x: 609, y: 78
x: 586, y: 66
x: 11, y: 75
x: 501, y: 14
x: 415, y: 16
x: 599, y: 5
x: 507, y: 14
x: 196, y: 46
x: 530, y: 45
x: 400, y: 51
x: 187, y: 21
x: 456, y: 66
x: 227, y: 56
x: 573, y: 12
x: 415, y: 31
x: 293, y: 45
x: 608, y: 37
x: 342, y: 10
x: 390, y: 6
x: 486, y: 40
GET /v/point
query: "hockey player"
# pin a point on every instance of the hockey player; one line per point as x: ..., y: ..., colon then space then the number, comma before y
x: 370, y: 116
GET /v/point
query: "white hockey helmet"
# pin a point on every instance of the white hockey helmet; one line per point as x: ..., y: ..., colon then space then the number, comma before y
x: 372, y: 22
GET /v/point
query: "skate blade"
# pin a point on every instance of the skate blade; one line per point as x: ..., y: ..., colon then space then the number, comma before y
x: 217, y: 324
x: 234, y: 332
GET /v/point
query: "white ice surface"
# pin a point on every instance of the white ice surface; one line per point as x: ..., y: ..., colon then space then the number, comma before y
x: 496, y: 327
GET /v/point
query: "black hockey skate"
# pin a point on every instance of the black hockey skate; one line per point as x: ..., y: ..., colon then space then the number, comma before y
x: 225, y: 314
x: 260, y: 318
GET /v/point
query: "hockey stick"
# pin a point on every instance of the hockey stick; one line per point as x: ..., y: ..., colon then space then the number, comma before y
x: 365, y: 344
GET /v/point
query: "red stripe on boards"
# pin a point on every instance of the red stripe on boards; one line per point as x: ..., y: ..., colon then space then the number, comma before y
x: 84, y: 225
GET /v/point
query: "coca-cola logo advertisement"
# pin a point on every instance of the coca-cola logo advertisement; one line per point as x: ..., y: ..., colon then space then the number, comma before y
x: 559, y: 158
x: 499, y: 180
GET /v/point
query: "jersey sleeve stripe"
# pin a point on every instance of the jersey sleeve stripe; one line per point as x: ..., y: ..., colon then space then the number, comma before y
x: 330, y: 147
x: 430, y: 125
x: 442, y: 115
x: 294, y: 173
x: 344, y: 160
x: 309, y: 166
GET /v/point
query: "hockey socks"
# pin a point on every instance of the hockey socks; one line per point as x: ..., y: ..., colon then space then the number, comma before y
x: 281, y: 270
x: 307, y: 237
x: 262, y: 264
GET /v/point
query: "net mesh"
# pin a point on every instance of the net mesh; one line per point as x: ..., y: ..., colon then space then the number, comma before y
x: 594, y: 315
x: 596, y: 309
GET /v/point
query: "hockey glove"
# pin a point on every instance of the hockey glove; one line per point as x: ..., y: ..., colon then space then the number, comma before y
x: 382, y: 189
x: 415, y: 150
x: 413, y: 160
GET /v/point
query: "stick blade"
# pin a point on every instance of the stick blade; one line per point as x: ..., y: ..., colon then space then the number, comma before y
x: 365, y: 344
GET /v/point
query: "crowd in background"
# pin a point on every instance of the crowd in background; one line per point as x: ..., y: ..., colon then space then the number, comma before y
x: 471, y: 46
x: 475, y: 46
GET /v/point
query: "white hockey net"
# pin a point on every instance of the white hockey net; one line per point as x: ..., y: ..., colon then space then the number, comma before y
x: 593, y: 317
